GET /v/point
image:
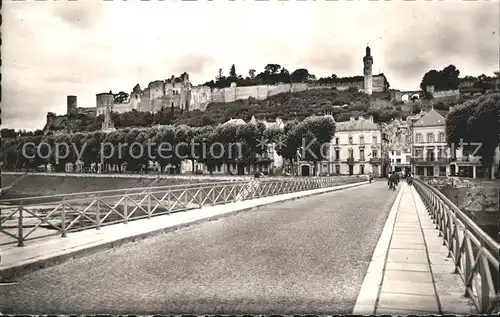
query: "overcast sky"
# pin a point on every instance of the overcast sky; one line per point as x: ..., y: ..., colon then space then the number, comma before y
x: 53, y: 49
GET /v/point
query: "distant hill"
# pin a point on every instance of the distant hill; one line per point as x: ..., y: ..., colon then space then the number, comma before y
x: 299, y: 105
x: 287, y: 106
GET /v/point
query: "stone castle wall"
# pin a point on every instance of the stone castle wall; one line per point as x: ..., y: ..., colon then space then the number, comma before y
x: 447, y: 94
x: 160, y: 95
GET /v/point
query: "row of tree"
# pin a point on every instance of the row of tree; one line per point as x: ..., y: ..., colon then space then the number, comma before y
x: 272, y: 75
x: 476, y: 123
x: 236, y: 143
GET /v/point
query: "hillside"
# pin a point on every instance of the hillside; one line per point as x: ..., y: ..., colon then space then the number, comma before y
x: 299, y: 105
x: 287, y: 106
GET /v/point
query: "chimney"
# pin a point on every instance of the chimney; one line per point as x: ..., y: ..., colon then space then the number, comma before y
x: 370, y: 118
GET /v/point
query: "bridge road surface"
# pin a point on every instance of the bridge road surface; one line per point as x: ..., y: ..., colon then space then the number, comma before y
x: 305, y: 256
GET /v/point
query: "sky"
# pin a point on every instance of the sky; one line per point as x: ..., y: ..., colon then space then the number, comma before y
x: 52, y: 49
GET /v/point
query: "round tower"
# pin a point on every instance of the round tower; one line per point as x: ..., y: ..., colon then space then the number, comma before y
x: 71, y: 105
x: 367, y: 71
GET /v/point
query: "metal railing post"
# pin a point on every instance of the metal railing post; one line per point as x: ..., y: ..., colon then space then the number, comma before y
x: 149, y: 204
x: 63, y: 218
x: 97, y: 213
x: 484, y: 297
x: 20, y: 242
x: 213, y: 195
x: 125, y: 208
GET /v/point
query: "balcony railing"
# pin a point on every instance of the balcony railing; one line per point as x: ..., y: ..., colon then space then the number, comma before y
x: 376, y: 160
x: 474, y: 253
x: 430, y: 160
x: 468, y: 160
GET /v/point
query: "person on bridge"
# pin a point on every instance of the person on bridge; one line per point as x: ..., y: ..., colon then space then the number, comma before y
x: 392, y: 180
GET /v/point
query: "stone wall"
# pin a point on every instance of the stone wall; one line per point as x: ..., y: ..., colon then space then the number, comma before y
x: 378, y: 84
x: 447, y: 94
x: 158, y: 95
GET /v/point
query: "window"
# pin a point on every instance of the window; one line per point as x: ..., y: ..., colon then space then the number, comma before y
x: 442, y: 153
x: 350, y: 139
x: 418, y: 138
x: 430, y: 154
x: 337, y: 169
x: 398, y: 152
x: 430, y: 137
x: 336, y: 140
x: 442, y: 137
x: 408, y: 158
x: 361, y: 140
x: 361, y: 169
x: 351, y: 154
x: 374, y: 153
x: 337, y: 154
x: 392, y: 152
x: 375, y: 140
x: 398, y: 160
x: 361, y: 155
x: 419, y: 153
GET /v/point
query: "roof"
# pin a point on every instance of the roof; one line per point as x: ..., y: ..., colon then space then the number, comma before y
x: 432, y: 119
x: 356, y: 125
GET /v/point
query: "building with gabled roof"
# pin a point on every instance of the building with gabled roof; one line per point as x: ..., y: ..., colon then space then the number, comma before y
x: 431, y: 156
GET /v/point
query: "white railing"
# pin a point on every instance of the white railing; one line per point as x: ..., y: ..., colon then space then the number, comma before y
x: 474, y: 252
x: 38, y: 217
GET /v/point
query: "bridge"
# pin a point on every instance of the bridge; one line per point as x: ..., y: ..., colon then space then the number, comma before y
x: 408, y: 95
x: 319, y: 245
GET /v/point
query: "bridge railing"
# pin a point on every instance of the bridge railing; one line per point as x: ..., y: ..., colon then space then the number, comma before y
x: 475, y: 254
x: 32, y: 218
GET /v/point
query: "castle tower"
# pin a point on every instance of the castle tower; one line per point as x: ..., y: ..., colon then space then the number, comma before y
x: 105, y: 102
x: 367, y: 71
x: 107, y: 124
x: 71, y: 105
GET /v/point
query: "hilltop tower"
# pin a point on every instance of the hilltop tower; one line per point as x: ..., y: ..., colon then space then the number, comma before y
x: 105, y: 102
x: 71, y: 105
x: 367, y: 71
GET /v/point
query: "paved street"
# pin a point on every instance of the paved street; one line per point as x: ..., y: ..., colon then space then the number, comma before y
x: 304, y: 256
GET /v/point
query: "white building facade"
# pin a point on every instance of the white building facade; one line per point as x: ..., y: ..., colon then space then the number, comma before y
x: 356, y: 148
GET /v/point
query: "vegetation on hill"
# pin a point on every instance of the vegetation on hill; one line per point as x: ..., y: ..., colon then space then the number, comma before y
x: 476, y: 123
x: 446, y: 79
x: 272, y: 75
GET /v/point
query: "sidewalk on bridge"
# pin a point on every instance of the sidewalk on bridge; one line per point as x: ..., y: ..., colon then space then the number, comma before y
x: 53, y: 250
x: 411, y: 272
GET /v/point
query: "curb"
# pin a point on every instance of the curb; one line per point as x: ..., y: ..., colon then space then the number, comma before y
x: 22, y: 269
x: 366, y: 301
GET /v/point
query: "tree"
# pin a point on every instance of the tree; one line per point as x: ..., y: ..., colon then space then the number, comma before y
x: 232, y: 73
x: 476, y: 122
x: 300, y: 75
x: 251, y: 73
x: 272, y: 69
x: 121, y: 97
x: 446, y: 79
x: 292, y: 143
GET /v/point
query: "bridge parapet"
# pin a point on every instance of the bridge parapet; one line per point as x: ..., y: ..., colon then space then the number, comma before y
x: 40, y: 217
x: 475, y: 254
